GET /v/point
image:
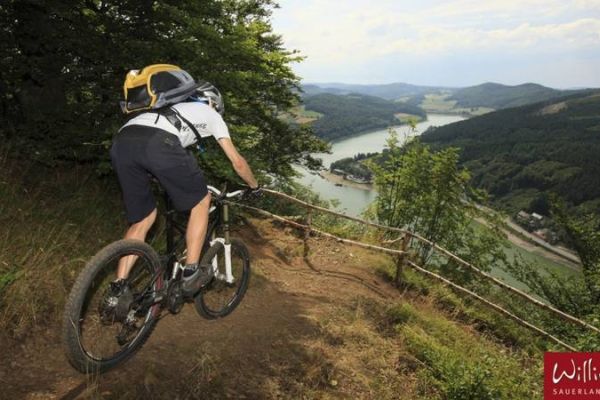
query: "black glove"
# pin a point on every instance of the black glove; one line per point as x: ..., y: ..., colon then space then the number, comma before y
x: 253, y: 194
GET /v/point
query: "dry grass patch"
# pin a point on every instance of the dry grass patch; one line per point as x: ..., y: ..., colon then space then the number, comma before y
x: 52, y: 222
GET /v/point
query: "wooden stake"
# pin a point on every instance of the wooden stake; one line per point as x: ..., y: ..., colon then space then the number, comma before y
x: 307, y: 232
x: 402, y: 258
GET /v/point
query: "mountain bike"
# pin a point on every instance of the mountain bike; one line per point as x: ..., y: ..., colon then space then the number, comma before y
x: 95, y: 341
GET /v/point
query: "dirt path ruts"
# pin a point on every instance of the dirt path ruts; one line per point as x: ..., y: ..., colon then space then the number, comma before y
x: 260, y: 351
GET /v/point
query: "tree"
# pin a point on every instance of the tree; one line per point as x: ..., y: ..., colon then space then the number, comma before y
x: 63, y: 64
x: 428, y: 193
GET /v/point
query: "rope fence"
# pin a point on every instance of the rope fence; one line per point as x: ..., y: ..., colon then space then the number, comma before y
x: 402, y: 259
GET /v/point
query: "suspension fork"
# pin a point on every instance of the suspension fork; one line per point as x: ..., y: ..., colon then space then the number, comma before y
x: 227, y: 276
x: 226, y: 223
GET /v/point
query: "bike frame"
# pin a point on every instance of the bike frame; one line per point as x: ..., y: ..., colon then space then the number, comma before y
x: 218, y: 216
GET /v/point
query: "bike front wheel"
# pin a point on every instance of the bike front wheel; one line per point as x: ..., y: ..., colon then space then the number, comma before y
x: 228, y: 286
x: 95, y: 336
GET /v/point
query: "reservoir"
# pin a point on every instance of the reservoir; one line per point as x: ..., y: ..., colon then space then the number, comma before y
x: 352, y: 200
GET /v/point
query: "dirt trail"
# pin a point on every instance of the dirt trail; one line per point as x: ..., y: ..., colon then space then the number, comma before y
x: 273, y: 346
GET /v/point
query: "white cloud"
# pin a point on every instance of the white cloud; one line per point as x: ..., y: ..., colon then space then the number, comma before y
x: 346, y: 34
x: 503, y: 8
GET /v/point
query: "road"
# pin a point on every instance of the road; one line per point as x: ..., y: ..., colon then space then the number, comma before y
x: 564, y: 254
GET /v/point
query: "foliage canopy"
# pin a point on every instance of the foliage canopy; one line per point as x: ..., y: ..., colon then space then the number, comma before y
x: 428, y: 193
x: 522, y: 155
x: 63, y: 64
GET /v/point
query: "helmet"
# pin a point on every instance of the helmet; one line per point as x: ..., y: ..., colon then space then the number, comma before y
x: 156, y: 86
x: 208, y: 93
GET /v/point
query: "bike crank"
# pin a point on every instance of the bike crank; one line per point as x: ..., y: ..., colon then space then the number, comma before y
x: 175, y: 298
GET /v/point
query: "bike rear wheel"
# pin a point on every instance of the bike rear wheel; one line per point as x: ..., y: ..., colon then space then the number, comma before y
x: 220, y: 297
x: 94, y: 340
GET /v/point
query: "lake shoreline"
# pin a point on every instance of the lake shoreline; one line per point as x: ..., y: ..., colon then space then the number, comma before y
x: 337, y: 179
x: 454, y: 114
x: 361, y: 133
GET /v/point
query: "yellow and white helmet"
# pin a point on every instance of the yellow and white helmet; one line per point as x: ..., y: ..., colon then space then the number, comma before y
x: 156, y: 86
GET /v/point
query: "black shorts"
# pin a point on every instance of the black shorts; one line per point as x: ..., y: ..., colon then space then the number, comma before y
x: 139, y: 151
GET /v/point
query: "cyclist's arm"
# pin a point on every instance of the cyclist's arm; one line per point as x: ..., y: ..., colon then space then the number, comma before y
x: 238, y: 162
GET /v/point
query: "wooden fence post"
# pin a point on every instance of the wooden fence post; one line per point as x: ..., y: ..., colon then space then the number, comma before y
x: 307, y: 232
x: 401, y: 259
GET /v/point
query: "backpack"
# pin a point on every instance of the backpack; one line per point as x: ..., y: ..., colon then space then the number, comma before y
x: 175, y: 118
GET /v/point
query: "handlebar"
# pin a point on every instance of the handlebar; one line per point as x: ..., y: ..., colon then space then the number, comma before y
x: 221, y: 195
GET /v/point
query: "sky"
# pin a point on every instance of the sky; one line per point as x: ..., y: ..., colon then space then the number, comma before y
x: 444, y: 43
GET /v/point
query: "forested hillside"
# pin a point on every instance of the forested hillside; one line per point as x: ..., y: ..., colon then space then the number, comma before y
x: 497, y: 96
x: 523, y: 154
x: 389, y: 91
x: 311, y: 90
x: 350, y: 114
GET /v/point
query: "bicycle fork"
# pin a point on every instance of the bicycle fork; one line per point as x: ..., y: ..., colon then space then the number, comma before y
x: 227, y: 276
x: 226, y: 241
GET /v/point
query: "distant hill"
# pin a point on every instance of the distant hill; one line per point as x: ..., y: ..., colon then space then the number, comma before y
x: 345, y: 115
x: 472, y: 100
x: 520, y: 155
x: 311, y: 90
x: 497, y: 96
x: 390, y: 91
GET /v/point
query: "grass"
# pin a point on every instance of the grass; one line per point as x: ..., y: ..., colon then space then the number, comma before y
x: 457, y: 366
x: 53, y: 220
x: 439, y: 103
x: 301, y: 115
x: 514, y: 251
x: 466, y: 310
x: 405, y: 118
x: 412, y: 349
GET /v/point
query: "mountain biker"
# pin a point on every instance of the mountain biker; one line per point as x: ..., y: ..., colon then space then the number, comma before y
x: 154, y: 142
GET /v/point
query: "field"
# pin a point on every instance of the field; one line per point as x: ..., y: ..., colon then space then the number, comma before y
x: 439, y: 103
x: 404, y: 117
x: 302, y: 116
x: 534, y: 256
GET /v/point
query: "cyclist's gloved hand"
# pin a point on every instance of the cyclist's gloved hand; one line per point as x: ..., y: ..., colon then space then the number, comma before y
x: 253, y: 194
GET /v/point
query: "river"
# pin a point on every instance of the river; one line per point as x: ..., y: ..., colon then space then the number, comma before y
x: 353, y: 201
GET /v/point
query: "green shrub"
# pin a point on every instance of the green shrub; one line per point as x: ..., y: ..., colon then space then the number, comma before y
x: 463, y: 370
x: 400, y: 313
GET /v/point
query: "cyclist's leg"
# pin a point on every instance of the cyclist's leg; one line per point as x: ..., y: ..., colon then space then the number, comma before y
x: 178, y: 172
x: 135, y: 185
x: 196, y: 230
x: 138, y: 231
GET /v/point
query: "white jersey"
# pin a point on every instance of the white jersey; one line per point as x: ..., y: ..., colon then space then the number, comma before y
x: 206, y: 120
